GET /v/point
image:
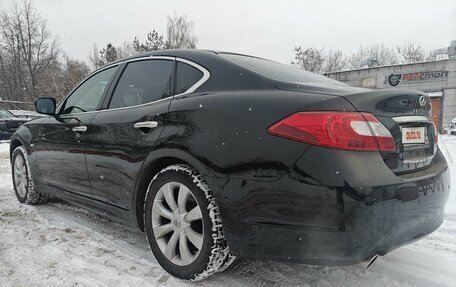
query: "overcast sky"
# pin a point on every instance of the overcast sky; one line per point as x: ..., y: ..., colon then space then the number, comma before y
x: 269, y: 29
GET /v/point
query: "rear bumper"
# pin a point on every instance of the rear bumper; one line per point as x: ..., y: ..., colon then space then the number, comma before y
x: 301, y: 218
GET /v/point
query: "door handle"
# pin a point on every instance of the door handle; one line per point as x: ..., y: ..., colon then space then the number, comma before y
x: 80, y: 129
x: 146, y: 125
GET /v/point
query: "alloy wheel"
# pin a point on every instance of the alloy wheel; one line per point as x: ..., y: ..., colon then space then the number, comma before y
x: 20, y: 176
x: 177, y: 223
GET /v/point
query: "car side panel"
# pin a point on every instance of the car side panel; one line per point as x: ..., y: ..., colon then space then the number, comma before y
x: 228, y: 131
x: 227, y: 134
x: 116, y: 150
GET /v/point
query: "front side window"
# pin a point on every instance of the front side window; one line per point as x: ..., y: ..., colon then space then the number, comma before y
x: 87, y: 96
x: 187, y: 76
x: 143, y: 82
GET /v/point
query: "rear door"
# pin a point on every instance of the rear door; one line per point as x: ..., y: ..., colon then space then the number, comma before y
x: 122, y: 135
x: 60, y: 143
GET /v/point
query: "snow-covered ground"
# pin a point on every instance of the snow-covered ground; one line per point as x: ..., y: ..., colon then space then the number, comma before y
x: 58, y: 244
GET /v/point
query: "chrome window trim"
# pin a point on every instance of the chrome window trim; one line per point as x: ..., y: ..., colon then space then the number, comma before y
x: 206, y: 76
x: 65, y: 116
x: 406, y: 119
x: 140, y: 105
x: 151, y: 57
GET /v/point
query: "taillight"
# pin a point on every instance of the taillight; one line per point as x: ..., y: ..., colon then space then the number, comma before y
x: 340, y: 130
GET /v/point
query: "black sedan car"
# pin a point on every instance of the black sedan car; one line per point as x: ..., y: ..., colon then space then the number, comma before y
x: 219, y: 155
x: 9, y: 123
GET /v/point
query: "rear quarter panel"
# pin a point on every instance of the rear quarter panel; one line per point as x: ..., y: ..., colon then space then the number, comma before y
x: 227, y: 131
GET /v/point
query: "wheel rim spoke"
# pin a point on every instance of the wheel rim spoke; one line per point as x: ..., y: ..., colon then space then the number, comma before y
x: 162, y: 230
x: 20, y: 161
x: 23, y: 187
x: 18, y: 180
x: 194, y: 237
x: 182, y: 197
x: 169, y: 196
x: 186, y: 255
x: 170, y: 251
x: 194, y: 214
x: 161, y: 210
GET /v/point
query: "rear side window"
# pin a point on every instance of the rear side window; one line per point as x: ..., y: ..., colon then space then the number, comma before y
x: 187, y: 76
x: 143, y: 82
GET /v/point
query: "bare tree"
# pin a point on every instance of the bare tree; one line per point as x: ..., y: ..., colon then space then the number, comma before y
x: 71, y: 72
x: 310, y: 59
x: 107, y: 55
x: 334, y: 61
x: 28, y: 46
x: 11, y: 68
x: 412, y: 53
x: 380, y: 53
x: 94, y: 58
x: 125, y: 50
x: 180, y: 33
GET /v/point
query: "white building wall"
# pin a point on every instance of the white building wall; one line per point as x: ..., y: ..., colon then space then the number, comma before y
x: 449, y: 106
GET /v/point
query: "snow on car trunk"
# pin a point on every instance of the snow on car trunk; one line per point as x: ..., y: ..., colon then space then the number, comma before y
x: 58, y: 244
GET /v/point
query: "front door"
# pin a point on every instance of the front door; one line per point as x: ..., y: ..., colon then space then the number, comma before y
x: 60, y: 145
x: 121, y: 136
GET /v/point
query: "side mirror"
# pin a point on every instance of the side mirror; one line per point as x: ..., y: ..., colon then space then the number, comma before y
x: 45, y: 106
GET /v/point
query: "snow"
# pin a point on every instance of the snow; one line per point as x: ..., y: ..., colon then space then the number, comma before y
x: 57, y: 244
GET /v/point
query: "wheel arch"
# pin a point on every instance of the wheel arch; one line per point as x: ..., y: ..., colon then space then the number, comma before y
x: 154, y: 163
x: 13, y: 145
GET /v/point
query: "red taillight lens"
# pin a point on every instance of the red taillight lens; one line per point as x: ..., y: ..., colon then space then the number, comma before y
x: 341, y: 130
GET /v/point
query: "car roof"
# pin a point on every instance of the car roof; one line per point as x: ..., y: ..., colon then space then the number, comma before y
x: 181, y: 53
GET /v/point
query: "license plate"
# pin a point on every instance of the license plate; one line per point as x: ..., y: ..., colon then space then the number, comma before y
x: 413, y: 135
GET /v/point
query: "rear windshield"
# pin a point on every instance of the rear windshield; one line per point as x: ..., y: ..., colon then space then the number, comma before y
x: 277, y: 71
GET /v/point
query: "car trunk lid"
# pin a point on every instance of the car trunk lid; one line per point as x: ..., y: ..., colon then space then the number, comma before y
x: 407, y: 115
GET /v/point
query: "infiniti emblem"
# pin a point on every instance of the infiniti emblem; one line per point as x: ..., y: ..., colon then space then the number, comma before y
x: 422, y: 101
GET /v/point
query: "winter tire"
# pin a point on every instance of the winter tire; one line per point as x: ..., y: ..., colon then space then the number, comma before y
x: 22, y: 180
x: 183, y: 224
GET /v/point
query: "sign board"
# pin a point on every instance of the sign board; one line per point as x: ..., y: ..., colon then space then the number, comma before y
x: 394, y: 79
